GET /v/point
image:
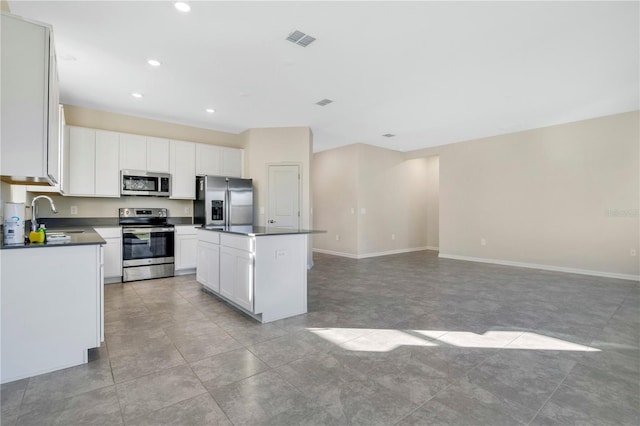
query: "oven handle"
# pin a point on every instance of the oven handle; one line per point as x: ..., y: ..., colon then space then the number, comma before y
x: 146, y: 230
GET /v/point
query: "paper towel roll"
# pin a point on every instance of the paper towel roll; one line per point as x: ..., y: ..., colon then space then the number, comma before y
x: 13, y: 223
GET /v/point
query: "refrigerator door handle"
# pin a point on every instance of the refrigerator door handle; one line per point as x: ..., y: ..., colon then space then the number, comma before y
x: 227, y: 202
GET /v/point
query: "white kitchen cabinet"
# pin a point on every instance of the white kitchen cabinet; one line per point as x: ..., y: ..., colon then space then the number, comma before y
x: 133, y: 152
x: 144, y: 153
x: 50, y: 315
x: 81, y: 164
x: 93, y: 163
x: 231, y: 162
x: 208, y: 265
x: 186, y: 241
x: 157, y: 155
x: 112, y: 253
x: 214, y: 160
x: 107, y: 164
x: 207, y: 160
x: 29, y: 101
x: 236, y: 276
x: 265, y: 276
x: 208, y: 260
x: 182, y: 159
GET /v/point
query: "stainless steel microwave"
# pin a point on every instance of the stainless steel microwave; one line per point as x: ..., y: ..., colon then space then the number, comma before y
x: 137, y: 182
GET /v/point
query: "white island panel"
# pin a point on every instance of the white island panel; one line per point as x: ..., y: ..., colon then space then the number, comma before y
x: 51, y: 308
x: 281, y: 276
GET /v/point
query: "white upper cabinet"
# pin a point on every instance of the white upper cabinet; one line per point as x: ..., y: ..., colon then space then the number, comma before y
x: 29, y: 102
x: 218, y: 161
x: 93, y: 163
x: 157, y: 155
x: 133, y: 152
x: 107, y: 164
x: 144, y: 153
x: 183, y: 169
x: 82, y: 160
x: 207, y: 160
x: 231, y: 162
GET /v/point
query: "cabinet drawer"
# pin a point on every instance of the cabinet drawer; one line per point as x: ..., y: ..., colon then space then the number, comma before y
x: 208, y: 236
x: 237, y: 242
x: 109, y: 232
x: 186, y: 229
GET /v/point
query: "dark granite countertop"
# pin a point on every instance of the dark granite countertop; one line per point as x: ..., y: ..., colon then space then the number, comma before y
x: 80, y: 235
x: 259, y: 231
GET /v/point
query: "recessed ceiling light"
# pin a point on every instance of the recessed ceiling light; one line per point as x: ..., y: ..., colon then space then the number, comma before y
x: 154, y: 62
x: 137, y: 95
x: 182, y: 6
x: 210, y: 110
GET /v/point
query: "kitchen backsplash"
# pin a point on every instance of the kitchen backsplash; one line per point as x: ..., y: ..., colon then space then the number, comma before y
x: 108, y: 207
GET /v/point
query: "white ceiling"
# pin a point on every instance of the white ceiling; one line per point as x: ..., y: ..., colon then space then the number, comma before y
x: 429, y: 72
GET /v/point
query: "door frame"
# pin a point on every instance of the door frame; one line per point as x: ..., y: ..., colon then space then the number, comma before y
x: 300, y: 175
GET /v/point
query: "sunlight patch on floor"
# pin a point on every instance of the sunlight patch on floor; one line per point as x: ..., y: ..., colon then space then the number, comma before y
x: 385, y: 340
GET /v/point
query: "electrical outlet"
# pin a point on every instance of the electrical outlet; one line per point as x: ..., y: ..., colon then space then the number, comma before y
x: 74, y: 209
x: 633, y: 252
x: 363, y: 211
x: 337, y: 237
x: 353, y: 211
x: 393, y: 236
x: 483, y: 242
x: 187, y: 210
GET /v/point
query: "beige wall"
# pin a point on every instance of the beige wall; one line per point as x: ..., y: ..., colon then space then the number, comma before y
x: 283, y: 145
x: 563, y: 196
x: 372, y: 198
x: 335, y: 193
x: 4, y: 6
x: 85, y: 117
x: 432, y: 165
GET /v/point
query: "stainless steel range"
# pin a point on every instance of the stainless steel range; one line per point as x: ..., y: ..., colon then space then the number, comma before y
x: 147, y: 244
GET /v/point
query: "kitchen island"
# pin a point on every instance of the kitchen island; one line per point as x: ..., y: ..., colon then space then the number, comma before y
x: 52, y: 303
x: 261, y: 271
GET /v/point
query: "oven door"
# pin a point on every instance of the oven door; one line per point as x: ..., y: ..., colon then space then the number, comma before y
x: 147, y: 246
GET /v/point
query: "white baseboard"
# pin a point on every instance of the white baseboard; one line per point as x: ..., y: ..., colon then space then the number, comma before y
x: 367, y: 255
x: 433, y: 248
x: 184, y: 271
x: 543, y: 267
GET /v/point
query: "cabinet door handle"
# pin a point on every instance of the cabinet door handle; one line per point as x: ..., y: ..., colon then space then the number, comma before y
x: 272, y: 221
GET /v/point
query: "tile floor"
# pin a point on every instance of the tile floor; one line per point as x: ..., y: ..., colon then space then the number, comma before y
x: 400, y: 340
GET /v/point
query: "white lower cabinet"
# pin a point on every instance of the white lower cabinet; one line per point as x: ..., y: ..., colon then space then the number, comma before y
x: 208, y: 266
x: 112, y: 253
x: 236, y: 276
x: 50, y: 315
x: 186, y: 243
x: 265, y: 276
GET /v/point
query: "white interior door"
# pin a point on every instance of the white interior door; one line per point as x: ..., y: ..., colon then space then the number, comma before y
x: 284, y: 196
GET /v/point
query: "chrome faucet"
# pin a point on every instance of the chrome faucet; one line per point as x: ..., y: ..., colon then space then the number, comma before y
x: 34, y: 221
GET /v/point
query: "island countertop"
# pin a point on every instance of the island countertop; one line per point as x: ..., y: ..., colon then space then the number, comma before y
x: 259, y: 231
x: 79, y: 235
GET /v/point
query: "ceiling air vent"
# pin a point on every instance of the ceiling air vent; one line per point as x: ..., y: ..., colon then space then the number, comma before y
x: 298, y: 37
x: 324, y: 102
x: 388, y: 135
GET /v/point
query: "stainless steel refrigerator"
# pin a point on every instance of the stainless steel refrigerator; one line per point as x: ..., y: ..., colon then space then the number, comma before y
x: 223, y: 201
